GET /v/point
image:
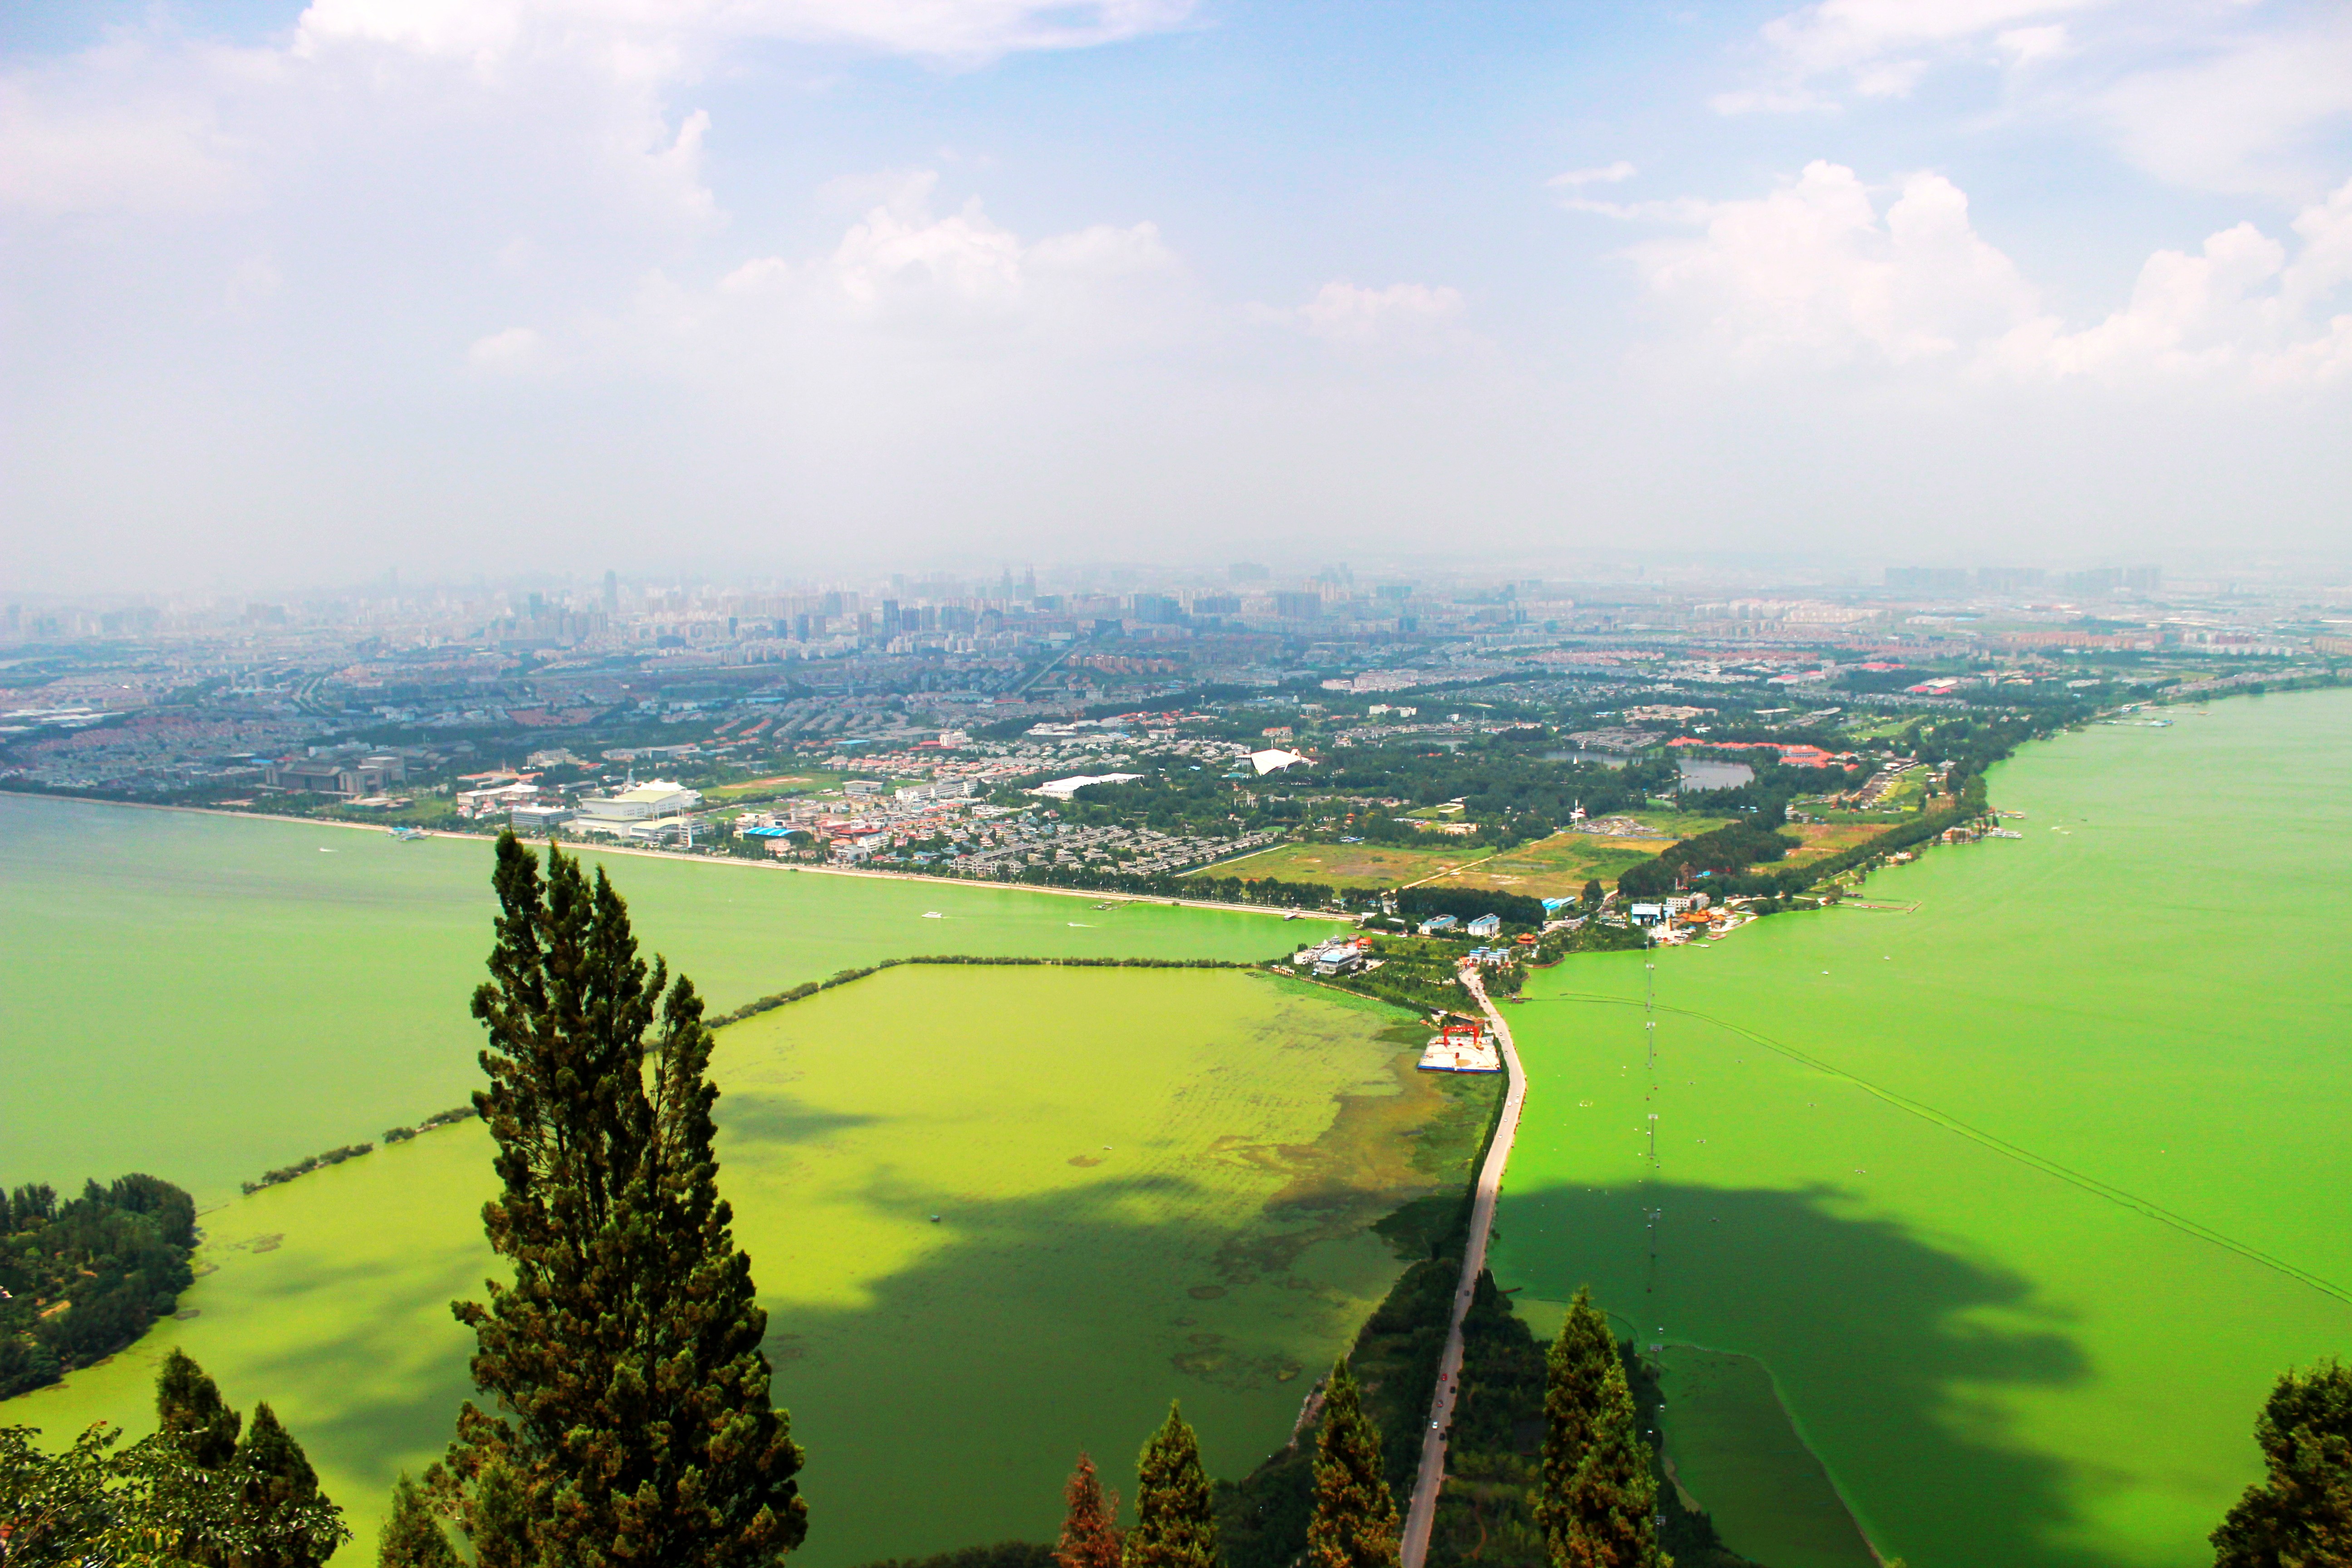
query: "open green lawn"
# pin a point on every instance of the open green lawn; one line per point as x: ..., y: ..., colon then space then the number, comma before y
x: 2022, y: 1199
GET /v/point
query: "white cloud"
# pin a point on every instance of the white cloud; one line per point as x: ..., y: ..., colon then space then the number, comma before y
x: 106, y: 137
x: 1816, y: 273
x: 1345, y: 313
x: 1607, y: 174
x: 2250, y: 114
x: 947, y: 278
x: 653, y: 39
x: 2237, y: 308
x: 1881, y: 48
x: 2032, y: 46
x: 515, y: 349
x: 2230, y: 97
x: 1814, y: 269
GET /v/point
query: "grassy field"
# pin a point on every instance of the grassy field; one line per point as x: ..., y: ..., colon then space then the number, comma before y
x: 1148, y: 1184
x: 1824, y: 839
x: 779, y: 788
x: 2022, y: 1200
x: 1553, y: 867
x: 1348, y: 865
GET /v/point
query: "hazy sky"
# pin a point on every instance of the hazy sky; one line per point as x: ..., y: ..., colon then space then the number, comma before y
x: 296, y: 295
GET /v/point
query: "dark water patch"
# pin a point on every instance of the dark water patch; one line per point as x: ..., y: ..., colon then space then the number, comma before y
x: 1788, y: 1277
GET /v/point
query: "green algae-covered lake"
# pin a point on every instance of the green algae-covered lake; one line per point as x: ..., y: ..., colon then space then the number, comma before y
x: 1148, y: 1184
x: 210, y: 997
x: 2021, y: 1199
x: 2010, y: 1208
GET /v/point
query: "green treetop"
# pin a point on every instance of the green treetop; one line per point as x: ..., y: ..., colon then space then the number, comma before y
x: 1174, y: 1526
x: 1355, y: 1522
x: 2301, y: 1513
x: 279, y: 1491
x: 1576, y: 1368
x: 411, y: 1537
x: 188, y: 1404
x: 627, y: 1348
x: 1609, y: 1510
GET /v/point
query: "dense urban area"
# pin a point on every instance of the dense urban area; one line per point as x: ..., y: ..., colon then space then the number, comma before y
x: 1234, y: 735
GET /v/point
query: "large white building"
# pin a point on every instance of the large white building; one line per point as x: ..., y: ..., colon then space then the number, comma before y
x: 648, y: 802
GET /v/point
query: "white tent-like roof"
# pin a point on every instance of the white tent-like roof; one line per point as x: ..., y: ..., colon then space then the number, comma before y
x: 1275, y: 761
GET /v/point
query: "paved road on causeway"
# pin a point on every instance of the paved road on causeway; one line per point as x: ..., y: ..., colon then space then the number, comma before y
x: 1419, y: 1518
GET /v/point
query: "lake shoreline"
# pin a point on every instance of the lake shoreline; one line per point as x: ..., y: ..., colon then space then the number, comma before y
x: 695, y: 860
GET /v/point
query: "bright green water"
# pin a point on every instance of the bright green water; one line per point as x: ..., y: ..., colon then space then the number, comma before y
x: 1239, y: 1135
x: 207, y: 998
x: 1999, y: 1363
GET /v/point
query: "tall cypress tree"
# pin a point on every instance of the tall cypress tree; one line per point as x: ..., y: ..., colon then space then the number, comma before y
x: 1174, y: 1525
x: 1611, y: 1507
x: 2301, y: 1513
x: 411, y: 1537
x: 627, y: 1348
x: 1575, y: 1369
x: 279, y: 1491
x: 189, y: 1405
x: 1090, y: 1525
x: 1354, y: 1524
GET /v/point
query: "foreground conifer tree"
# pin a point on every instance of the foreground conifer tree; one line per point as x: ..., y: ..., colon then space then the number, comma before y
x: 2300, y: 1516
x: 188, y: 1405
x: 1174, y: 1525
x: 1090, y: 1527
x: 1576, y: 1368
x: 1609, y: 1512
x: 1354, y: 1524
x: 627, y: 1348
x: 278, y: 1492
x: 411, y: 1537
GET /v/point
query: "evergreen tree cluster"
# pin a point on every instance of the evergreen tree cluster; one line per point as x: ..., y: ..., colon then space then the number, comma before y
x: 207, y: 1491
x: 83, y: 1279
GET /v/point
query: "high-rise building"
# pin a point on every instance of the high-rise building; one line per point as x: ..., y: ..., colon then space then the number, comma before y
x: 1248, y: 572
x: 1292, y: 606
x: 1928, y: 579
x: 611, y: 593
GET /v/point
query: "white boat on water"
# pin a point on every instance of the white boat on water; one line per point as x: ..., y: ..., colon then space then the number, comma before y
x: 933, y: 915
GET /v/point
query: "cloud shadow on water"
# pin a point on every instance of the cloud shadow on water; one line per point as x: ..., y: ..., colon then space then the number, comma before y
x: 1894, y: 1354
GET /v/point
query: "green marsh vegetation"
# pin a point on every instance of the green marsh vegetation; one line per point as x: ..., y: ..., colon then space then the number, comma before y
x: 2019, y: 1202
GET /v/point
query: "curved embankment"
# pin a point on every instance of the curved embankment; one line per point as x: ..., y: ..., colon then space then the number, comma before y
x: 1422, y: 1514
